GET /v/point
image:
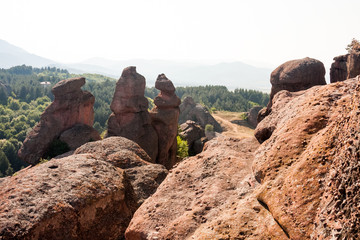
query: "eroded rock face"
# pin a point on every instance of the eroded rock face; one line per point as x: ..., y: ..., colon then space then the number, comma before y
x: 207, y: 197
x: 77, y: 197
x: 71, y: 106
x: 293, y: 76
x: 192, y: 133
x: 164, y: 117
x: 123, y: 153
x: 130, y: 118
x: 252, y: 115
x: 307, y: 163
x: 78, y: 135
x: 189, y: 110
x: 345, y: 67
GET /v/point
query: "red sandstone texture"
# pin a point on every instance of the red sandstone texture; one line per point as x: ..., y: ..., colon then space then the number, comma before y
x: 345, y: 67
x: 77, y: 197
x: 130, y: 117
x: 164, y: 118
x: 71, y: 106
x: 306, y: 171
x: 308, y: 164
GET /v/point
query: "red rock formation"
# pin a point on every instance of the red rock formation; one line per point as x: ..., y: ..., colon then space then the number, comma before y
x: 130, y: 117
x: 189, y: 110
x: 71, y: 106
x: 126, y: 154
x: 252, y: 116
x: 207, y: 197
x: 194, y: 134
x: 307, y: 164
x: 77, y: 197
x: 90, y: 195
x: 78, y: 135
x: 345, y: 67
x: 295, y: 75
x: 164, y: 117
x: 307, y: 170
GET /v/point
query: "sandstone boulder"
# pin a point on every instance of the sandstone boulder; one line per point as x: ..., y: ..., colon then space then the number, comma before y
x: 345, y: 67
x: 307, y: 163
x: 130, y: 117
x: 126, y: 154
x: 164, y: 117
x: 192, y: 133
x: 207, y: 197
x: 189, y: 110
x: 71, y: 106
x: 252, y: 115
x: 78, y: 135
x: 293, y: 76
x: 77, y: 197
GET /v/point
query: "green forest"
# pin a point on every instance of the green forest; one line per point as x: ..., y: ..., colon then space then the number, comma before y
x: 23, y: 99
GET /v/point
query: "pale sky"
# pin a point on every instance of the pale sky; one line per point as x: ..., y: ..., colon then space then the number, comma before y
x: 260, y: 31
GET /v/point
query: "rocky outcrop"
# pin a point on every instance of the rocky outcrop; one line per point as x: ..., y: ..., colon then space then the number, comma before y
x: 71, y: 106
x: 307, y: 163
x: 77, y: 197
x: 345, y: 67
x: 194, y: 134
x: 130, y: 117
x: 293, y: 76
x: 164, y: 118
x: 207, y: 197
x: 189, y: 110
x: 126, y: 154
x: 302, y: 184
x: 78, y: 135
x: 89, y: 195
x: 297, y: 75
x: 252, y: 115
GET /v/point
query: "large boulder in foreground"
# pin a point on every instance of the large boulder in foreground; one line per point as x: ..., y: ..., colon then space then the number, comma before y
x: 293, y: 76
x: 303, y: 183
x: 345, y: 67
x: 78, y: 197
x: 189, y: 110
x: 308, y: 165
x: 130, y: 117
x: 123, y: 153
x: 71, y: 106
x: 207, y: 197
x: 164, y: 118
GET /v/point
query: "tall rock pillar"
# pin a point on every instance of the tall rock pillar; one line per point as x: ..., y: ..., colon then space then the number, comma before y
x: 130, y: 117
x: 165, y: 116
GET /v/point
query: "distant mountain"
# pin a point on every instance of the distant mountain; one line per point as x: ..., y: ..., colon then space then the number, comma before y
x: 232, y: 75
x: 182, y: 73
x: 11, y: 55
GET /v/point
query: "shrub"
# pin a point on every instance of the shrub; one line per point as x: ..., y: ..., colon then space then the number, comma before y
x: 353, y: 46
x: 182, y: 148
x: 209, y: 128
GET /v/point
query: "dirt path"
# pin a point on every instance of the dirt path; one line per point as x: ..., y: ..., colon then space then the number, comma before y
x: 231, y: 129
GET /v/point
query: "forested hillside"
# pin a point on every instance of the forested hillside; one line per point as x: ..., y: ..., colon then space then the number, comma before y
x: 23, y: 98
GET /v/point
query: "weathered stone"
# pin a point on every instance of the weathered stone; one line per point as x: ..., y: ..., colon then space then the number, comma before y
x: 71, y: 106
x: 293, y: 76
x: 130, y: 118
x: 306, y: 163
x: 77, y: 197
x: 79, y: 135
x: 126, y: 154
x: 164, y: 118
x: 207, y: 197
x: 252, y: 115
x: 192, y: 133
x: 189, y: 110
x: 345, y: 67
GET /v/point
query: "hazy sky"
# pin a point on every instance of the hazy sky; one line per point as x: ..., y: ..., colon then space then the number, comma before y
x: 270, y: 32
